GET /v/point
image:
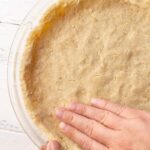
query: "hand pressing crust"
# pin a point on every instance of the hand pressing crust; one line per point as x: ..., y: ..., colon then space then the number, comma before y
x: 103, y: 126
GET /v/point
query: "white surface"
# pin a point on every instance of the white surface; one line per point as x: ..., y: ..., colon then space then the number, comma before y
x: 12, y: 136
x: 15, y: 141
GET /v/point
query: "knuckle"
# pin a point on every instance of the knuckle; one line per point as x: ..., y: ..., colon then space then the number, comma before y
x: 70, y: 132
x: 104, y: 117
x: 120, y: 110
x: 86, y: 145
x: 89, y: 128
x: 82, y: 109
x: 69, y: 117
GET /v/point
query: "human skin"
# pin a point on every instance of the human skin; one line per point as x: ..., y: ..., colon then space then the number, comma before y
x: 52, y: 145
x: 104, y: 126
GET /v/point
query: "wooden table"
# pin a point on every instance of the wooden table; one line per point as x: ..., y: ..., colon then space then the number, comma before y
x: 12, y: 136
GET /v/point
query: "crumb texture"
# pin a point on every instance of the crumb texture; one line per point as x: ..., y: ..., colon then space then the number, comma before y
x: 84, y: 49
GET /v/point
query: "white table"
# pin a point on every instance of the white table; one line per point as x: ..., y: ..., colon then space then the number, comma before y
x: 12, y: 136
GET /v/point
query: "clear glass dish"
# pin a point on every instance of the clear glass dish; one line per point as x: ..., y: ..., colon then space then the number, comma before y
x: 17, y: 49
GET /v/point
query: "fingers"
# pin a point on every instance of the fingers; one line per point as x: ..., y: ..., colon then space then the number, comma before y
x: 53, y: 145
x: 105, y: 117
x: 87, y: 126
x: 119, y: 110
x: 43, y: 147
x: 85, y: 142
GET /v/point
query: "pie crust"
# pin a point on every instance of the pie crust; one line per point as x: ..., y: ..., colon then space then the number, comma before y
x: 83, y: 49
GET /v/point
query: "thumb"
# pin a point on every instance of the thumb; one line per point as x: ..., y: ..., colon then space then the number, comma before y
x: 53, y: 145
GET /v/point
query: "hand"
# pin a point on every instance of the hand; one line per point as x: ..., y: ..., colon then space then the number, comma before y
x: 105, y: 126
x: 52, y: 145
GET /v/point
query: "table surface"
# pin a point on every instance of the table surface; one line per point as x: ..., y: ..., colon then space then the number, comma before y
x: 12, y: 13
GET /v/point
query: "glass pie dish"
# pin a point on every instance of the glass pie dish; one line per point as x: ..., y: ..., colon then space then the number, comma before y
x: 29, y: 23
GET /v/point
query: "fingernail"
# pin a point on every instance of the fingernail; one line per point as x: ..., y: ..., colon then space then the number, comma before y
x: 72, y: 106
x: 62, y: 126
x: 95, y: 101
x: 59, y: 113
